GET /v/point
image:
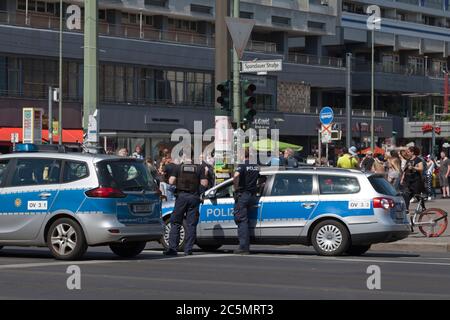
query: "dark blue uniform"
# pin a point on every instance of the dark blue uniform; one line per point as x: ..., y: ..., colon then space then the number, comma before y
x: 245, y: 199
x: 186, y: 206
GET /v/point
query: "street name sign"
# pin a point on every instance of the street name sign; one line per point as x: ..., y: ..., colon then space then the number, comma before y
x: 261, y: 66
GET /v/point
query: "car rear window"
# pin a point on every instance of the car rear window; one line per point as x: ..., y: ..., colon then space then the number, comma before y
x: 126, y: 175
x: 74, y: 171
x: 381, y: 185
x: 338, y: 184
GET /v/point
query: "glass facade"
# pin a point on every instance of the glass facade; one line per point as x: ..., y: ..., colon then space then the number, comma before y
x: 118, y: 83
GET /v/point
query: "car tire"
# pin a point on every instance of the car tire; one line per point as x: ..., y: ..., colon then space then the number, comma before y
x: 165, y: 236
x: 330, y: 238
x: 209, y: 247
x: 66, y: 240
x: 357, y: 250
x: 128, y: 250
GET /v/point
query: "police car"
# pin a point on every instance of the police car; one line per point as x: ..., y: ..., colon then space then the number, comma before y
x: 69, y: 201
x: 337, y: 211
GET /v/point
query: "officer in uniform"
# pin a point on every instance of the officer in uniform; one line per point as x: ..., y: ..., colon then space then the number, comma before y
x: 190, y: 181
x: 245, y: 188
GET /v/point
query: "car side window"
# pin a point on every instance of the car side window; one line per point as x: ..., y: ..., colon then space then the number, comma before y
x: 338, y: 184
x: 29, y: 172
x: 3, y: 167
x: 225, y: 191
x: 74, y: 171
x: 292, y: 185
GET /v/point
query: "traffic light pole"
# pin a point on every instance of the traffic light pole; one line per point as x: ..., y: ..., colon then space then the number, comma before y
x: 236, y: 74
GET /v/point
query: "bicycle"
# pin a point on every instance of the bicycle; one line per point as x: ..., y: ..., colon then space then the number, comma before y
x: 428, y: 220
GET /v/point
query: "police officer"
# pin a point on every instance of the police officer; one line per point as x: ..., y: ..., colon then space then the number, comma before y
x: 245, y: 187
x: 190, y: 181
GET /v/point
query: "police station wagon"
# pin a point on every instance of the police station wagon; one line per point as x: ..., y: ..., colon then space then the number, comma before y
x: 337, y: 211
x: 69, y: 201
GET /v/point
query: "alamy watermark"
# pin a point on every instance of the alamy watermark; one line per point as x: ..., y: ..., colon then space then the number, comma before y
x: 74, y: 280
x: 374, y: 280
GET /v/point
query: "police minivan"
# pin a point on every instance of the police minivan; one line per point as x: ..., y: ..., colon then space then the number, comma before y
x: 69, y: 201
x: 337, y: 211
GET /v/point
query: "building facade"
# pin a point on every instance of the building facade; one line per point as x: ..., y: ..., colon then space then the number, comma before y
x: 156, y: 70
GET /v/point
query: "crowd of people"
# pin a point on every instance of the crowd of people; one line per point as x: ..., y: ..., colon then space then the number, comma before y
x: 405, y: 168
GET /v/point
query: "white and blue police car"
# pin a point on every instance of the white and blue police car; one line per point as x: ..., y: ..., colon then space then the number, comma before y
x: 337, y: 211
x: 69, y: 201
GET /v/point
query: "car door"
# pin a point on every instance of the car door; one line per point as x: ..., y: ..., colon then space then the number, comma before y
x: 290, y: 201
x: 27, y: 197
x: 216, y: 215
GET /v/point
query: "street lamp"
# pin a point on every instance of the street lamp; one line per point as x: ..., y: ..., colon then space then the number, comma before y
x: 372, y: 94
x: 60, y: 71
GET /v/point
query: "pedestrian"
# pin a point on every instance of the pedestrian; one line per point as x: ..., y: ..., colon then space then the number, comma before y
x: 169, y: 169
x: 431, y: 166
x: 245, y: 187
x: 412, y: 178
x: 189, y: 180
x: 444, y: 171
x: 138, y: 153
x: 123, y: 152
x: 347, y: 161
x: 394, y: 167
x: 288, y: 159
x: 367, y: 162
x: 379, y: 165
x: 151, y: 167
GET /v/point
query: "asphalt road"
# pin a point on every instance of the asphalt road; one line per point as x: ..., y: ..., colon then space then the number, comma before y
x: 271, y: 272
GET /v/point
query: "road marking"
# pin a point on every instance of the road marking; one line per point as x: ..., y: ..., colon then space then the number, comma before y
x: 194, y: 256
x: 54, y: 264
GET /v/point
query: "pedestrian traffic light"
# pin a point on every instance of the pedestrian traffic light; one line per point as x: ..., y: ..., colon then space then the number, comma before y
x: 225, y: 98
x: 248, y: 101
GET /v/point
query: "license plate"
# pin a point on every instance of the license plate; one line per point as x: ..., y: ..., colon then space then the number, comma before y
x: 142, y: 208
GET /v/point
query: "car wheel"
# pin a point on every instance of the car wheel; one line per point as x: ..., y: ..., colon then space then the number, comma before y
x: 330, y: 238
x: 66, y: 240
x: 165, y: 237
x: 209, y: 247
x: 357, y: 250
x: 128, y: 250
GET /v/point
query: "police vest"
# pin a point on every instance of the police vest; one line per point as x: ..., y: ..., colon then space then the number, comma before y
x: 188, y: 178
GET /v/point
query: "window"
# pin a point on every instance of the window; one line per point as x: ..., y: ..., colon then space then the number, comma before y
x: 126, y: 175
x: 225, y: 191
x: 38, y: 74
x: 201, y: 9
x: 3, y: 172
x: 381, y: 185
x: 246, y: 15
x: 102, y: 15
x: 74, y: 171
x: 281, y: 21
x: 316, y: 25
x: 292, y: 185
x: 157, y: 3
x: 31, y: 172
x: 338, y: 185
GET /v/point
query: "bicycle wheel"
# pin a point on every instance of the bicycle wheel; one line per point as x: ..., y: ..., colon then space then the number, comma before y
x: 438, y: 222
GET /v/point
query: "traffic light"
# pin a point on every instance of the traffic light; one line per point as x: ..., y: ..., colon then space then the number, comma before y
x: 248, y: 101
x: 225, y: 98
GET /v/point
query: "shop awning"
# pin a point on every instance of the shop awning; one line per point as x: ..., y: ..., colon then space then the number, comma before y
x: 69, y: 135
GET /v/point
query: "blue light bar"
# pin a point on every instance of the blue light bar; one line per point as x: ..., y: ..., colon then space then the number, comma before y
x: 26, y: 147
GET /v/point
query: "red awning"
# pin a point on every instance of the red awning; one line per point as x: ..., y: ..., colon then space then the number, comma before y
x: 69, y: 135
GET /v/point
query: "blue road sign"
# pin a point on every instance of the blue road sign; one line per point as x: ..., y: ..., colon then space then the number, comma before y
x: 326, y: 115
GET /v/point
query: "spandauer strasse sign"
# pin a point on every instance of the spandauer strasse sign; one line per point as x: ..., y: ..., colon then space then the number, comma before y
x: 261, y: 66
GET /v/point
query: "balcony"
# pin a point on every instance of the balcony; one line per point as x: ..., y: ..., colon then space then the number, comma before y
x: 48, y: 22
x: 406, y: 70
x: 342, y: 112
x: 315, y: 60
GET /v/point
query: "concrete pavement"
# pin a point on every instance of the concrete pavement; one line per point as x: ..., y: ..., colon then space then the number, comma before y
x: 416, y: 242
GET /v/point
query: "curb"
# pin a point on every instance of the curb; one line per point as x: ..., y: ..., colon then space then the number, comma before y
x: 412, y: 246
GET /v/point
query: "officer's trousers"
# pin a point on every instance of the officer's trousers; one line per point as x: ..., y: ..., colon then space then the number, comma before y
x: 243, y: 203
x: 186, y: 204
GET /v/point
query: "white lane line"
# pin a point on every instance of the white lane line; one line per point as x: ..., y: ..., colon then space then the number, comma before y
x: 54, y: 264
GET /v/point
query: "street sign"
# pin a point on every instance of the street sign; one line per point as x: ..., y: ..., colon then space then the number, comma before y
x: 326, y: 115
x: 325, y: 133
x: 261, y: 66
x: 240, y: 31
x: 32, y: 125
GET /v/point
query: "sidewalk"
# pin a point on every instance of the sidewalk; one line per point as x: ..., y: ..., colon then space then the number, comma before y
x: 417, y: 242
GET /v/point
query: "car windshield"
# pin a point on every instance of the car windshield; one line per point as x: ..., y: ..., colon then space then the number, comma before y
x: 126, y: 175
x: 381, y: 185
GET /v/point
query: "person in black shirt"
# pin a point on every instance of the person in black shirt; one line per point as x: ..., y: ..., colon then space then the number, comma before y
x: 245, y: 188
x: 189, y: 179
x: 412, y: 175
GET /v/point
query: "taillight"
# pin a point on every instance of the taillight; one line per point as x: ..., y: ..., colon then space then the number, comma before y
x: 103, y: 192
x: 383, y: 203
